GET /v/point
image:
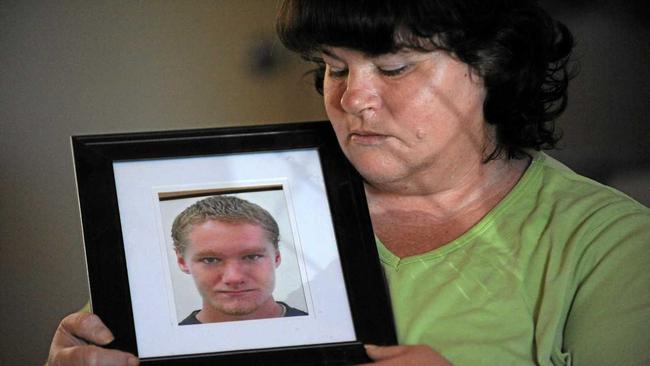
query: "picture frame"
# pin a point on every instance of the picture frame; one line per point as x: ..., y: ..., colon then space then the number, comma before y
x: 124, y: 182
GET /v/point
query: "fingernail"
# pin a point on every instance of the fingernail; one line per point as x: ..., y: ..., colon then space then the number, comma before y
x: 133, y: 361
x: 104, y: 335
x: 369, y: 346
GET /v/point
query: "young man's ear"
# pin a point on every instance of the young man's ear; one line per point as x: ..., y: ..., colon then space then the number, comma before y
x: 278, y: 258
x: 182, y: 264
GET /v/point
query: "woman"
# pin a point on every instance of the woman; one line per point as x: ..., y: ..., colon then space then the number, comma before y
x: 495, y: 253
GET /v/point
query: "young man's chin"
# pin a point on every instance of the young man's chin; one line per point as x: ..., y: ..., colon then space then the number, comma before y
x: 239, y: 311
x: 238, y: 308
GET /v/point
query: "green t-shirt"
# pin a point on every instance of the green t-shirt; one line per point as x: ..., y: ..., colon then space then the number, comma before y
x: 558, y: 273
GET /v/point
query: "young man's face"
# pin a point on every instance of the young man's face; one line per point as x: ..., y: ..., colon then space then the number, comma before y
x: 233, y: 265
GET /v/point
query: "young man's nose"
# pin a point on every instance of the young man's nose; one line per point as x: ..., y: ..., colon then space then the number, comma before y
x: 234, y: 273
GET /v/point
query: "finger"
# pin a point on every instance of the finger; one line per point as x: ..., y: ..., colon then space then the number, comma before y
x: 414, y: 355
x: 79, y: 327
x: 92, y: 356
x: 377, y: 353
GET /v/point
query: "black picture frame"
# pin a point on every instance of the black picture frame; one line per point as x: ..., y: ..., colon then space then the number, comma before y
x: 367, y: 295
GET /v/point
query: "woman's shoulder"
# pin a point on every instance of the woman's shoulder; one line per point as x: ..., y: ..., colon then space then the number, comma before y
x: 559, y: 185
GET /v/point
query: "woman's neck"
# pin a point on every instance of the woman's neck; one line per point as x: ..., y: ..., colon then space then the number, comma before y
x: 409, y: 223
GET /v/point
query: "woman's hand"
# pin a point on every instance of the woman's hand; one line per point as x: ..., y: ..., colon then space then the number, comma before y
x: 405, y: 356
x: 75, y: 340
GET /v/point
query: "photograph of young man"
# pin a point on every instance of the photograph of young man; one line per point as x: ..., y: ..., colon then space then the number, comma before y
x: 230, y: 248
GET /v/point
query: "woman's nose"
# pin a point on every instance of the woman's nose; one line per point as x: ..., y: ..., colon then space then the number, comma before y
x: 361, y: 94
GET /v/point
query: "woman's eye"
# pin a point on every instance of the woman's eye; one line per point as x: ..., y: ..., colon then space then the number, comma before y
x: 393, y: 70
x: 336, y: 72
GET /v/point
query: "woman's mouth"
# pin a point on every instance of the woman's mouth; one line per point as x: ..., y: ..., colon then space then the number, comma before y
x: 367, y: 138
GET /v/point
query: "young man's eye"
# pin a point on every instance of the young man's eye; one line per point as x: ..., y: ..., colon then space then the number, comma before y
x: 253, y: 257
x: 210, y: 260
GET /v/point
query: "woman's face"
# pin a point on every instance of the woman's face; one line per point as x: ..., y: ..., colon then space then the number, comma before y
x: 405, y: 116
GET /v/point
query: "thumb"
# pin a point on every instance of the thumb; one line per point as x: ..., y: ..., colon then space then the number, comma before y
x: 377, y: 353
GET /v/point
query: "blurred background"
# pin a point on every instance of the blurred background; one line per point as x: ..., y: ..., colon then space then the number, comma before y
x: 86, y: 67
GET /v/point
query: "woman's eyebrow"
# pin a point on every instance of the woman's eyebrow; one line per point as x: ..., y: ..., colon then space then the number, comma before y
x: 329, y: 53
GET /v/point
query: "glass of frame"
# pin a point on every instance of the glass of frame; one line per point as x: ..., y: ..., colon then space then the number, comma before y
x: 132, y: 186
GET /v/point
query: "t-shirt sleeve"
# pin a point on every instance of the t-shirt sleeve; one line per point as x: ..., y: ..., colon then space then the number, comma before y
x: 86, y: 308
x: 609, y: 319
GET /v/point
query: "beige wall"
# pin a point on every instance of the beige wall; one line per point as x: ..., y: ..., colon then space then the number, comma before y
x: 79, y: 67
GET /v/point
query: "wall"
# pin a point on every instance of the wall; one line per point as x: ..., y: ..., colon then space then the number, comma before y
x: 80, y: 67
x: 606, y: 134
x: 83, y: 67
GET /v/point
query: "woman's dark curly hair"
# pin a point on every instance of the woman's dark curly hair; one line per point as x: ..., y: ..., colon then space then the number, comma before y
x: 521, y: 53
